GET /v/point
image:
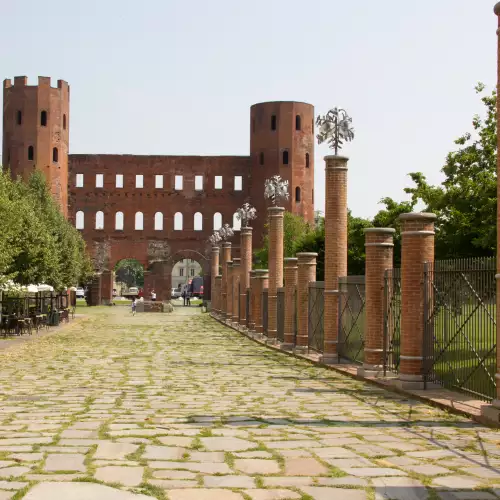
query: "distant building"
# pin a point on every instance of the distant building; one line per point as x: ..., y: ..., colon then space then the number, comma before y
x: 183, y: 271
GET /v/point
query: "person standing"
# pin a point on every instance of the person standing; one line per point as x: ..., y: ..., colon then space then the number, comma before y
x: 134, y: 306
x: 153, y: 296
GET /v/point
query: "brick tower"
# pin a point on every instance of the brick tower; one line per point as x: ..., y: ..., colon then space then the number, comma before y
x: 36, y: 132
x: 282, y: 143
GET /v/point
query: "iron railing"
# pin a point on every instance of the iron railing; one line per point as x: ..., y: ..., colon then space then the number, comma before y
x: 351, y: 318
x: 264, y: 310
x: 460, y: 325
x: 316, y: 310
x: 247, y: 308
x: 392, y: 320
x: 281, y: 314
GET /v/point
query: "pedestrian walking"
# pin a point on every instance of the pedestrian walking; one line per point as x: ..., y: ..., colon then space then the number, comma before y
x: 188, y: 298
x: 134, y: 306
x: 183, y: 295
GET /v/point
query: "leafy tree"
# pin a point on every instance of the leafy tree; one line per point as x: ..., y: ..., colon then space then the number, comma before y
x: 130, y: 272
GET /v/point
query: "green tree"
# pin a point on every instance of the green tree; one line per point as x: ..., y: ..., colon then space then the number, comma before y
x: 130, y: 272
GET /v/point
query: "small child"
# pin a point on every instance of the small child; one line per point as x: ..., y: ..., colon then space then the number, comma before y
x: 134, y: 306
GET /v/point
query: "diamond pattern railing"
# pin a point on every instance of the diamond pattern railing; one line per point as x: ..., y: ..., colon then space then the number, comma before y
x: 315, y: 316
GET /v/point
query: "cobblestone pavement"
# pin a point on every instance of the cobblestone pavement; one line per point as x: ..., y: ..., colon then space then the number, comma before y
x: 179, y: 407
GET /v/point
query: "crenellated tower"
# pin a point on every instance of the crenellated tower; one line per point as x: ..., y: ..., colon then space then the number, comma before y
x: 282, y: 143
x: 36, y: 132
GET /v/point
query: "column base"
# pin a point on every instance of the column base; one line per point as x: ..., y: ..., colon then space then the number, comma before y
x: 375, y: 371
x: 410, y: 382
x: 491, y: 412
x: 301, y: 349
x: 287, y: 347
x: 329, y: 359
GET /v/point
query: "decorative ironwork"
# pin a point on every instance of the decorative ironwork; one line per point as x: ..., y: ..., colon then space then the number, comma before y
x: 316, y: 310
x: 392, y: 320
x: 335, y: 128
x: 275, y: 188
x: 460, y: 325
x: 281, y: 314
x: 225, y: 232
x: 265, y: 310
x: 215, y: 239
x: 245, y: 214
x: 351, y: 318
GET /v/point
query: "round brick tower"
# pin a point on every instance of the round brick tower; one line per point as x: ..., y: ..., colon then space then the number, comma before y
x: 36, y: 132
x: 282, y: 143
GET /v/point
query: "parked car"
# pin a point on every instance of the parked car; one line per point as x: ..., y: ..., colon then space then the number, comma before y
x: 176, y: 293
x: 80, y: 293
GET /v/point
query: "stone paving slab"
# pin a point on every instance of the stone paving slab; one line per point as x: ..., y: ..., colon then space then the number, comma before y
x: 180, y: 403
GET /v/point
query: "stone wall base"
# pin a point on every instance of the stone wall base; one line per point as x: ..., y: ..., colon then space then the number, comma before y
x: 492, y: 412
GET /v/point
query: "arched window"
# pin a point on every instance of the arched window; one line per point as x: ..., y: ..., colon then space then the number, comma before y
x: 19, y: 117
x: 80, y: 220
x: 43, y: 118
x: 178, y: 221
x: 64, y: 122
x: 217, y: 221
x: 307, y: 160
x: 297, y: 193
x: 297, y: 122
x: 198, y: 221
x: 158, y: 221
x: 55, y: 155
x: 139, y: 221
x: 236, y: 222
x: 119, y: 221
x: 273, y: 122
x: 285, y: 157
x: 261, y: 158
x: 31, y: 153
x: 99, y: 220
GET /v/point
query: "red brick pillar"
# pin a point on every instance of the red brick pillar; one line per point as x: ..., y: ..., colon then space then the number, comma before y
x: 306, y: 274
x: 226, y: 257
x: 107, y: 278
x: 214, y: 271
x: 379, y: 246
x: 335, y: 249
x: 261, y: 282
x: 218, y: 287
x: 253, y: 313
x: 291, y: 275
x: 246, y: 267
x: 236, y: 291
x: 417, y: 232
x: 275, y: 215
x: 229, y: 296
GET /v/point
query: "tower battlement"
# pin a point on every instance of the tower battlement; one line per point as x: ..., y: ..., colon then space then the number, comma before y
x: 43, y: 81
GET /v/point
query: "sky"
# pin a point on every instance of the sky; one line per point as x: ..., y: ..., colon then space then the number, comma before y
x: 178, y: 77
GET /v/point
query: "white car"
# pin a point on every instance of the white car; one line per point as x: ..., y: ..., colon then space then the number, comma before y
x: 176, y: 293
x: 80, y: 293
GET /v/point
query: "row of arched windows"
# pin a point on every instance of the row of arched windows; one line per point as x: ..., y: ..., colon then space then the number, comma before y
x: 274, y: 123
x: 284, y: 158
x: 158, y: 221
x: 31, y: 154
x: 43, y: 118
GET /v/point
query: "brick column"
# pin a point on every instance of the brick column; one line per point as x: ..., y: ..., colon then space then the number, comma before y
x: 253, y: 314
x: 236, y: 282
x: 379, y: 246
x: 492, y: 412
x: 335, y: 249
x: 226, y: 257
x: 417, y: 232
x: 275, y: 215
x: 214, y: 271
x: 218, y: 287
x: 246, y: 266
x: 229, y: 296
x: 291, y: 275
x: 261, y: 282
x: 306, y: 274
x: 107, y: 278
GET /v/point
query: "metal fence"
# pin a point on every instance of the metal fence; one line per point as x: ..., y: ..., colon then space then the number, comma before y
x: 351, y: 318
x: 316, y: 310
x: 460, y: 325
x: 392, y: 320
x: 281, y: 314
x: 265, y: 308
x: 247, y: 308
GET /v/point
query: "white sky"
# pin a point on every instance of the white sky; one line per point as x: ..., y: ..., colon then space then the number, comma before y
x: 178, y: 76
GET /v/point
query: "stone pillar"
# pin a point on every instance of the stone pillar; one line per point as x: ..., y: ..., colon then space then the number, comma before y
x: 107, y: 279
x: 226, y: 257
x: 218, y: 287
x: 379, y: 246
x: 275, y: 268
x: 246, y: 267
x: 94, y: 292
x: 229, y: 296
x: 253, y: 313
x: 261, y: 282
x: 335, y: 249
x: 236, y: 291
x: 417, y: 232
x: 214, y: 271
x: 306, y: 274
x: 291, y: 275
x: 492, y: 412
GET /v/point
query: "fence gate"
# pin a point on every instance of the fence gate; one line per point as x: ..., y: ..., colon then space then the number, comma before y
x: 460, y: 325
x: 265, y: 308
x: 392, y: 320
x: 281, y: 314
x: 351, y: 318
x: 315, y: 316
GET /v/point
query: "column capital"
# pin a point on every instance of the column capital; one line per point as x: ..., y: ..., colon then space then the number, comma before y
x: 261, y: 273
x: 379, y: 230
x: 226, y: 244
x: 215, y: 249
x: 307, y: 257
x: 276, y: 211
x: 246, y: 230
x: 418, y: 216
x: 333, y: 162
x: 290, y: 261
x: 218, y: 277
x: 236, y: 262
